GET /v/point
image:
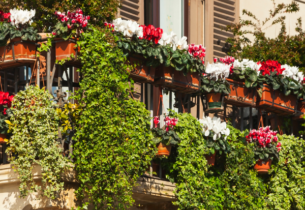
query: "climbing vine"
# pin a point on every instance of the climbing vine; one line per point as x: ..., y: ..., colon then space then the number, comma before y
x: 113, y: 142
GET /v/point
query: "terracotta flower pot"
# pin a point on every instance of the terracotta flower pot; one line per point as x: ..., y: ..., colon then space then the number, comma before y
x: 240, y: 95
x: 276, y: 101
x: 164, y: 150
x: 262, y: 167
x: 23, y: 51
x: 211, y: 159
x: 2, y: 137
x: 65, y: 48
x: 141, y: 72
x: 175, y: 80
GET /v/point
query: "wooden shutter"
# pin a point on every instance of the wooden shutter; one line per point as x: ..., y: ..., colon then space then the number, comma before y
x: 132, y: 10
x: 224, y: 14
x: 220, y: 13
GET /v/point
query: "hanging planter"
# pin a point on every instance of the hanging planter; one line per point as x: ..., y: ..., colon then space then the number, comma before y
x: 214, y: 102
x: 2, y: 137
x: 176, y: 80
x: 262, y: 167
x: 141, y: 72
x: 240, y: 95
x: 211, y: 159
x: 276, y: 101
x: 266, y: 147
x: 165, y: 137
x: 16, y: 52
x: 164, y: 150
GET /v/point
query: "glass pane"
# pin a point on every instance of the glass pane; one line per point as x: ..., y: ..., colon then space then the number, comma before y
x: 171, y: 16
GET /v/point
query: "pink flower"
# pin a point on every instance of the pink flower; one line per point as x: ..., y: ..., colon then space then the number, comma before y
x: 69, y: 26
x: 174, y: 121
x: 84, y: 24
x: 275, y: 139
x: 156, y: 121
x: 215, y: 60
x: 73, y: 21
x: 54, y: 33
x: 88, y: 17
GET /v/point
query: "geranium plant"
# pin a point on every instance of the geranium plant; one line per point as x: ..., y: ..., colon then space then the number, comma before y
x: 15, y: 24
x: 70, y: 24
x: 215, y: 79
x: 266, y: 143
x: 216, y: 133
x: 5, y: 108
x: 165, y: 135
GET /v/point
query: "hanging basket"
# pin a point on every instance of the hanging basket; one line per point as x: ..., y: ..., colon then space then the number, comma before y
x: 240, y: 95
x: 262, y: 167
x: 141, y: 72
x: 17, y: 53
x: 66, y: 50
x: 211, y: 159
x: 164, y: 150
x: 276, y: 101
x: 176, y: 80
x: 214, y: 103
x: 2, y: 137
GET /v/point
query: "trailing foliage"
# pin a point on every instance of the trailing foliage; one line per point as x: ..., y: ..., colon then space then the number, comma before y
x: 34, y: 128
x: 233, y: 183
x: 287, y: 184
x: 113, y: 142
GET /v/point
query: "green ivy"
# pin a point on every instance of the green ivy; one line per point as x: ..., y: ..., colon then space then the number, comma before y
x: 113, y: 143
x: 34, y: 128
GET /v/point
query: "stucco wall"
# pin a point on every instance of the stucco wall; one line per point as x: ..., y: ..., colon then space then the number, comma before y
x: 261, y: 8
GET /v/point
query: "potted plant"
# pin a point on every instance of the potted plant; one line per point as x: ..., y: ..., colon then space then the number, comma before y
x: 17, y: 37
x: 243, y: 82
x: 5, y: 113
x: 165, y: 137
x: 67, y: 31
x: 131, y: 39
x: 216, y: 133
x: 214, y: 85
x: 280, y: 86
x: 266, y: 147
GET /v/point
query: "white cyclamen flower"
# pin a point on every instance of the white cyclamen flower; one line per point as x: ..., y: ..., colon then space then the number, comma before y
x: 292, y: 72
x: 21, y: 16
x: 216, y: 70
x: 214, y: 124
